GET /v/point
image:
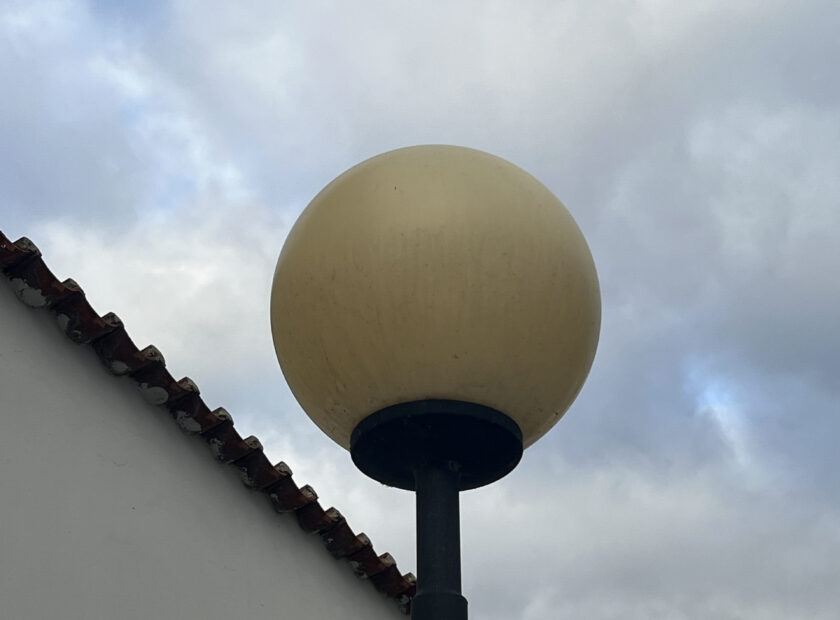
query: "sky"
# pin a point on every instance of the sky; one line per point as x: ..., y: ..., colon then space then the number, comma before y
x: 159, y: 152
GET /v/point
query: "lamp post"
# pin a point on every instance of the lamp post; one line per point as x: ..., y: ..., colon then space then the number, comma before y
x: 435, y: 310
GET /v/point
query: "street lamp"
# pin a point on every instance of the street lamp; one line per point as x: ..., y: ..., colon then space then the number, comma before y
x: 435, y: 310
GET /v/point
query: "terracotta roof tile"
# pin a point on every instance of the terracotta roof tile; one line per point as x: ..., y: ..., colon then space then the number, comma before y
x: 36, y: 286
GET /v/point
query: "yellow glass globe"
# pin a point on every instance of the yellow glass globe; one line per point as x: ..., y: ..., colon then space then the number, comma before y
x: 435, y: 272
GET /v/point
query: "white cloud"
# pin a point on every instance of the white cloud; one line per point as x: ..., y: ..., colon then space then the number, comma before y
x: 192, y: 281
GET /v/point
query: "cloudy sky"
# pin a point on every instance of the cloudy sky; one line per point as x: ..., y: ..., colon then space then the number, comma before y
x: 158, y: 153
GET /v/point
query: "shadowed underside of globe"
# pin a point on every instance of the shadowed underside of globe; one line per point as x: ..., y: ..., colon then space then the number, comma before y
x: 435, y: 272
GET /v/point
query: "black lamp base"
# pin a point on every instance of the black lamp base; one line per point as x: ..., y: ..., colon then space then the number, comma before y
x: 481, y: 443
x: 437, y: 448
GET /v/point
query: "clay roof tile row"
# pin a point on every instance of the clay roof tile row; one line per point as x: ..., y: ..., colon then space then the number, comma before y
x: 37, y: 287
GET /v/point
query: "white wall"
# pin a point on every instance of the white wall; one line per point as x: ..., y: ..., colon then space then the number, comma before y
x: 108, y: 511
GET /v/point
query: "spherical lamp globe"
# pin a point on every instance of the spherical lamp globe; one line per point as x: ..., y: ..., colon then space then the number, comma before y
x: 436, y: 280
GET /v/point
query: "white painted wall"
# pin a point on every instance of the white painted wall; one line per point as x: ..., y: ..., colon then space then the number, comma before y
x: 108, y: 511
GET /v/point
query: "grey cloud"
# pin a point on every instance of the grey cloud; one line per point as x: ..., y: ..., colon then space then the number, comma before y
x: 63, y: 151
x: 694, y: 143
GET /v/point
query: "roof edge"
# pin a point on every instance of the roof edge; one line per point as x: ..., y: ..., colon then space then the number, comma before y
x: 37, y: 287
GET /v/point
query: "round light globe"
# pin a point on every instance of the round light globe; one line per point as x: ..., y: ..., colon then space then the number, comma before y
x: 435, y: 272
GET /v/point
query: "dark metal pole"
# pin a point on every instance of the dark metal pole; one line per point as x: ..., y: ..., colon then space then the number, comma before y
x: 438, y: 544
x: 437, y: 448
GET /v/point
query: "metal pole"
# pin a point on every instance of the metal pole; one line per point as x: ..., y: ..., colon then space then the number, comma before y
x: 438, y: 544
